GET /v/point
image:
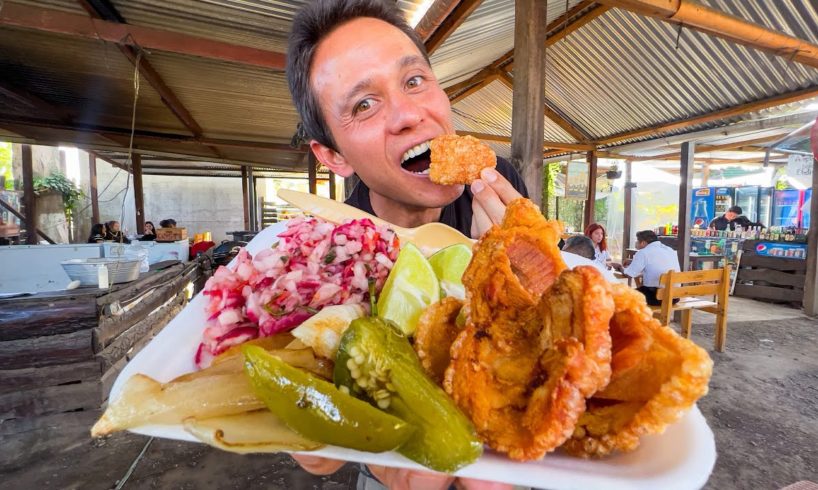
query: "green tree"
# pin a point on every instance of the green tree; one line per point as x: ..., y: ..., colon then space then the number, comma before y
x: 5, y: 164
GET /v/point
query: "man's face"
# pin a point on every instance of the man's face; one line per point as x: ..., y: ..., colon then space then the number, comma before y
x: 115, y: 226
x: 730, y: 215
x: 641, y: 244
x: 380, y: 100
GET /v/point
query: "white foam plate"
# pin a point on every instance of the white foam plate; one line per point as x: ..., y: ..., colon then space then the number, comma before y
x: 681, y: 458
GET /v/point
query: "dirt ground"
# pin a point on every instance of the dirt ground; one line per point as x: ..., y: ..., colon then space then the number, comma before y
x: 762, y: 407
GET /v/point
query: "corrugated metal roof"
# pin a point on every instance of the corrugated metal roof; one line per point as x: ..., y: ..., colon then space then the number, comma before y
x: 489, y: 111
x: 487, y: 34
x: 623, y: 72
x: 230, y: 100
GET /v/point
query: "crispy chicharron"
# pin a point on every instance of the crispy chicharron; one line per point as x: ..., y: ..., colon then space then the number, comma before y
x: 459, y: 159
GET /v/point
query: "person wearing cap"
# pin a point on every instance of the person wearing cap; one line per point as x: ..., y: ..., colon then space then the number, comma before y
x: 730, y: 219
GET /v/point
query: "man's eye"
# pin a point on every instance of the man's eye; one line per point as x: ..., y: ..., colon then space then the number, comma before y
x: 414, y: 81
x: 362, y: 106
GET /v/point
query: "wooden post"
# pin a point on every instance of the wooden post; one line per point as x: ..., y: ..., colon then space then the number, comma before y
x: 591, y: 158
x: 332, y: 189
x: 251, y: 201
x: 705, y: 175
x: 628, y: 221
x: 312, y: 172
x: 811, y: 283
x: 685, y: 196
x: 245, y: 198
x: 29, y: 199
x: 529, y: 93
x: 138, y: 194
x: 92, y: 177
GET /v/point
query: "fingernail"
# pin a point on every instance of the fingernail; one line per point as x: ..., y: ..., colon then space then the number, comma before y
x: 477, y: 187
x: 488, y: 174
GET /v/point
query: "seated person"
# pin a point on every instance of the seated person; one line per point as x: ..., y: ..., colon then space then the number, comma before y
x: 731, y: 218
x: 150, y: 233
x: 581, y: 247
x: 167, y: 223
x: 596, y: 233
x: 98, y: 232
x: 652, y: 259
x: 115, y: 234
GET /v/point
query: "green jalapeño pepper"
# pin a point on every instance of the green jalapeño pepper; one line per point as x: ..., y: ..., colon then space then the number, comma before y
x: 317, y: 410
x: 376, y: 362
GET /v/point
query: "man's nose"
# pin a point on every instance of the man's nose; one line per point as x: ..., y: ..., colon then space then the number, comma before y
x: 406, y: 112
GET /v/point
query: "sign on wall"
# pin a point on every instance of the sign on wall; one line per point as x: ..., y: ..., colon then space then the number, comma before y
x: 799, y: 167
x: 576, y: 185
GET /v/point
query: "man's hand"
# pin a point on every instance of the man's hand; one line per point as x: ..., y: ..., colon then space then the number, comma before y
x: 492, y: 192
x: 399, y: 478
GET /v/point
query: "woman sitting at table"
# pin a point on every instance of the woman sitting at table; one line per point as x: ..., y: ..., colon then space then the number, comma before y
x: 597, y: 235
x: 150, y: 233
x: 98, y: 233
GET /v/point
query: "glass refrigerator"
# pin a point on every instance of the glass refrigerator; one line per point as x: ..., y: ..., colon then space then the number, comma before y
x: 723, y: 199
x: 805, y: 206
x: 702, y: 207
x: 747, y: 198
x: 765, y: 205
x: 787, y: 207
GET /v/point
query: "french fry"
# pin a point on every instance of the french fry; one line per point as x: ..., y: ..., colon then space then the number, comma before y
x: 258, y: 431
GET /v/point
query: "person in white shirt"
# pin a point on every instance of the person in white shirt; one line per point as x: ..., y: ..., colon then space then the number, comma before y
x: 596, y: 233
x: 651, y: 261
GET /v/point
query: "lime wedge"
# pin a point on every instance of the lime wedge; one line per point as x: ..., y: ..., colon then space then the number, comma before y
x: 449, y: 264
x: 410, y: 288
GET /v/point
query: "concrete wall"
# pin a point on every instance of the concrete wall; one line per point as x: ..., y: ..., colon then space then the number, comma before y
x: 200, y: 204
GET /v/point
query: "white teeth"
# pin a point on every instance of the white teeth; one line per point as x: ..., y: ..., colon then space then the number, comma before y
x: 415, y: 151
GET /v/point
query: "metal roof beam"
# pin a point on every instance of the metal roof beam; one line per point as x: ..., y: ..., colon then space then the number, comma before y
x: 434, y: 17
x: 723, y: 25
x: 455, y: 18
x: 709, y: 148
x: 59, y: 22
x: 740, y: 109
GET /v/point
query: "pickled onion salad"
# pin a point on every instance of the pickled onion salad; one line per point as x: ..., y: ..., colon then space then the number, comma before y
x: 314, y: 264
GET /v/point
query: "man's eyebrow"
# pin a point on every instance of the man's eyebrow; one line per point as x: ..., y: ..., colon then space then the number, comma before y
x: 357, y: 88
x: 412, y: 59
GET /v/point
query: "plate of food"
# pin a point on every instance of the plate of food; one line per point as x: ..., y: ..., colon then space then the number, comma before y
x: 497, y: 363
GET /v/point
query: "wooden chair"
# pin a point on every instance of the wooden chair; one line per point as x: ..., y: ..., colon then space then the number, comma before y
x: 687, y: 286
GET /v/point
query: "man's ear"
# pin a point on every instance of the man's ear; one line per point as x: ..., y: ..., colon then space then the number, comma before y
x: 331, y: 159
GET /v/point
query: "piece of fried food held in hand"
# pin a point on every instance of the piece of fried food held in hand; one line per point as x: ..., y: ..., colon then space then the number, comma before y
x: 459, y: 159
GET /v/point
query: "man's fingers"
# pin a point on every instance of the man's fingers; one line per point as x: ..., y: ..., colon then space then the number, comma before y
x: 502, y: 187
x: 486, y: 198
x: 472, y: 484
x: 316, y: 465
x: 403, y: 479
x: 480, y: 221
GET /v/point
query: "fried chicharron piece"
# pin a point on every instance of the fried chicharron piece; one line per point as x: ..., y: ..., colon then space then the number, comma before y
x: 536, y: 343
x: 657, y: 376
x: 459, y: 159
x: 437, y: 328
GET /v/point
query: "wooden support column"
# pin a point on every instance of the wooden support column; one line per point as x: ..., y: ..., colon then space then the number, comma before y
x: 529, y: 93
x: 628, y: 221
x: 332, y: 189
x: 312, y: 172
x: 591, y: 158
x: 251, y: 199
x: 685, y: 196
x: 245, y: 198
x: 92, y: 177
x: 811, y: 283
x: 29, y: 199
x: 705, y: 175
x: 138, y: 194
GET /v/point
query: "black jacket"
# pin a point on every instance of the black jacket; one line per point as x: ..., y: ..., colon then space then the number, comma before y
x: 458, y: 213
x: 721, y: 223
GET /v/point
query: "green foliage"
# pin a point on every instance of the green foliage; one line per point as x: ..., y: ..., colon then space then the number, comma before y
x: 550, y: 172
x: 5, y: 165
x: 57, y: 182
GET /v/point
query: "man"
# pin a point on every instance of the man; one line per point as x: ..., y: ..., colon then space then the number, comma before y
x: 652, y: 259
x: 361, y: 80
x: 370, y: 103
x: 579, y: 250
x: 730, y: 219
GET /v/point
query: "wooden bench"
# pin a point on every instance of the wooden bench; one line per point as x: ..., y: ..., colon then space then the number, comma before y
x: 687, y: 287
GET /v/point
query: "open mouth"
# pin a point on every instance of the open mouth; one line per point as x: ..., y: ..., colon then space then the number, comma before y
x: 417, y: 159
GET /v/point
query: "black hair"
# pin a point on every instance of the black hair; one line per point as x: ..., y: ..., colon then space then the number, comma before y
x: 311, y: 25
x: 648, y: 236
x: 167, y: 223
x: 96, y: 229
x: 580, y: 245
x: 735, y: 209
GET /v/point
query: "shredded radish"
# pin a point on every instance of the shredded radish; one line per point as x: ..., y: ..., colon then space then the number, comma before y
x: 314, y: 264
